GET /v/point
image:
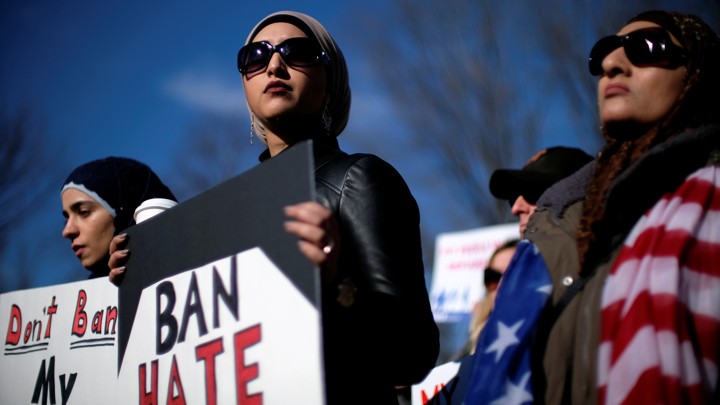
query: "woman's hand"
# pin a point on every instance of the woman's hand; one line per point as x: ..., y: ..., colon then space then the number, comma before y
x: 118, y: 258
x: 319, y: 235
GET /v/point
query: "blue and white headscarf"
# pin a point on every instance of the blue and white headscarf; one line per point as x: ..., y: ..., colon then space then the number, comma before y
x: 120, y: 185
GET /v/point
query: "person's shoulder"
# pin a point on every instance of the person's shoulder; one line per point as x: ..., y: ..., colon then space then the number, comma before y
x: 359, y: 170
x: 371, y: 163
x: 369, y: 167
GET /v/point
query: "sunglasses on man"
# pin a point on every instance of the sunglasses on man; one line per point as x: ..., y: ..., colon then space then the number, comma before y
x: 644, y: 47
x: 296, y: 52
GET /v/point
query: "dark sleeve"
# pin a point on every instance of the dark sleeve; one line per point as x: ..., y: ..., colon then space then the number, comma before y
x: 380, y: 231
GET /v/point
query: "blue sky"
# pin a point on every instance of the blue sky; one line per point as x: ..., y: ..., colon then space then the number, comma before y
x: 129, y: 78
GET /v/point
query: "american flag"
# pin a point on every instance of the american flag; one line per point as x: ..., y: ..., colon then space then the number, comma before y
x: 660, y: 334
x: 501, y: 363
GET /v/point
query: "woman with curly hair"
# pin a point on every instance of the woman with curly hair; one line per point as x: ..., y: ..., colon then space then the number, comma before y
x: 630, y: 243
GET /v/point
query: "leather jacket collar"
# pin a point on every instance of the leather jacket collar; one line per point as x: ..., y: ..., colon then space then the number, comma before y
x: 323, y: 148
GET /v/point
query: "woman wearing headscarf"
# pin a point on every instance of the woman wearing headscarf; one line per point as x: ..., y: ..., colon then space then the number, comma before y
x: 99, y: 199
x: 631, y: 242
x: 363, y: 230
x: 378, y: 329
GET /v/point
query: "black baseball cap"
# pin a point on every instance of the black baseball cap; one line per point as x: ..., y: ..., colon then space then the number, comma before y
x: 543, y: 170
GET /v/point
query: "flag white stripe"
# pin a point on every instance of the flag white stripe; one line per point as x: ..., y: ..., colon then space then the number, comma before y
x: 639, y: 355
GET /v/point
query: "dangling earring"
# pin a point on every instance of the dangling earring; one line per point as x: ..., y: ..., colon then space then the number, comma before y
x: 252, y: 127
x: 327, y: 119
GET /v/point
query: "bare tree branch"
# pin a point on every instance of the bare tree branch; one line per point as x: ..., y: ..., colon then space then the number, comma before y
x: 484, y: 83
x: 26, y: 169
x: 29, y: 174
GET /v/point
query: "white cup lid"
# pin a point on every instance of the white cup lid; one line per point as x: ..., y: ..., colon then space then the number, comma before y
x: 152, y: 207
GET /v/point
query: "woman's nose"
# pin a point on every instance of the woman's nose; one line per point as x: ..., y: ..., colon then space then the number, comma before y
x: 615, y: 62
x: 277, y: 65
x: 70, y: 229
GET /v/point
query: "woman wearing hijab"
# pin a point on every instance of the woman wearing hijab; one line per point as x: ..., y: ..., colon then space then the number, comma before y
x: 378, y: 330
x: 363, y: 232
x: 631, y: 242
x: 99, y: 199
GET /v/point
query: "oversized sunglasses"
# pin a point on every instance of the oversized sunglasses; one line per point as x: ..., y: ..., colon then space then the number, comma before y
x: 644, y: 47
x: 296, y: 52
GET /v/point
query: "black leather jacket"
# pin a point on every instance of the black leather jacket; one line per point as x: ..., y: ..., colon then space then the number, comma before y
x: 378, y: 328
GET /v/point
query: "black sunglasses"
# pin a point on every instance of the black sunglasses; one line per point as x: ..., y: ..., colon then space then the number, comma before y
x: 296, y: 52
x: 644, y: 47
x: 531, y: 196
x: 491, y: 275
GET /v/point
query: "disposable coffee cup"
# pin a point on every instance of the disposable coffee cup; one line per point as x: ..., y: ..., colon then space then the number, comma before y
x: 150, y: 208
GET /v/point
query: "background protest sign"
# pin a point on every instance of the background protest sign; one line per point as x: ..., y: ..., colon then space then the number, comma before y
x: 184, y: 318
x: 59, y: 344
x: 460, y: 259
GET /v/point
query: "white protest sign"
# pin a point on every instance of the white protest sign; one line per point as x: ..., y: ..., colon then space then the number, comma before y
x: 437, y: 384
x: 60, y: 344
x: 460, y: 258
x: 233, y: 331
x: 446, y: 384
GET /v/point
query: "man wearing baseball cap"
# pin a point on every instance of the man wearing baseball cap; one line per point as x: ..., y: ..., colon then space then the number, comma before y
x: 522, y: 188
